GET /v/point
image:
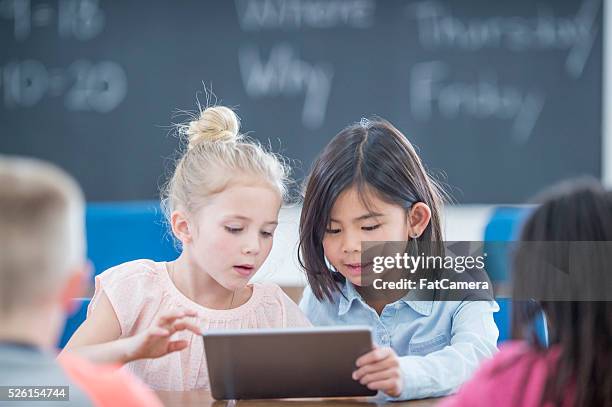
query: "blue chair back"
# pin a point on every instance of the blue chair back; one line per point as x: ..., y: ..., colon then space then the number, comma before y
x: 503, y: 319
x: 125, y: 231
x: 119, y: 232
x: 503, y: 227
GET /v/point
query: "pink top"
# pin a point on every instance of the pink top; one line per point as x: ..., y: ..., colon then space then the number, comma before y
x: 515, y: 376
x: 141, y: 289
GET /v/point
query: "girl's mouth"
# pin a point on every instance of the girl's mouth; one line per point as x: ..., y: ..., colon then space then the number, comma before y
x: 356, y: 268
x: 244, y: 270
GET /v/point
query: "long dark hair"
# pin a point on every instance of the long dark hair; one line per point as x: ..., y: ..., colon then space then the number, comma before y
x: 375, y: 157
x: 575, y: 211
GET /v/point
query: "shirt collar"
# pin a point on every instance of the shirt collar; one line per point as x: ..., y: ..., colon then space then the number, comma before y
x: 422, y: 307
x: 349, y: 295
x: 419, y: 303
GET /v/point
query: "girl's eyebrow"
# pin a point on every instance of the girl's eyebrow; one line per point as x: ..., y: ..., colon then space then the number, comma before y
x: 368, y: 216
x: 239, y: 217
x: 362, y: 217
x: 245, y: 218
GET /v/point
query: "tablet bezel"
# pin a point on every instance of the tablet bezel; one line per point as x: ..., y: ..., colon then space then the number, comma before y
x: 230, y: 352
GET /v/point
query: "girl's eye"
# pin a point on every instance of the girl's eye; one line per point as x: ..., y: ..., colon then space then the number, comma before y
x: 333, y: 231
x: 233, y: 229
x: 370, y: 227
x: 267, y: 234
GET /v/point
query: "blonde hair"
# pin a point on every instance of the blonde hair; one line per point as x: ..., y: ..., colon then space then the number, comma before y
x: 41, y: 230
x: 217, y: 155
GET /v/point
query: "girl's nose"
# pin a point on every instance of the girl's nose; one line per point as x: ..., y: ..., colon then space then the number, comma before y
x: 351, y: 244
x: 252, y: 246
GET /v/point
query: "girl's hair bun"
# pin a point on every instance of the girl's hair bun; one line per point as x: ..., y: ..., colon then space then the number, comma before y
x: 216, y: 123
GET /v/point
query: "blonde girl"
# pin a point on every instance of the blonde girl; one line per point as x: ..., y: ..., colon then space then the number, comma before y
x: 222, y: 203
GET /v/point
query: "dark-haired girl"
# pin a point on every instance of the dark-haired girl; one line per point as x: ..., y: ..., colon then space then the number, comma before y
x: 575, y: 368
x: 368, y: 184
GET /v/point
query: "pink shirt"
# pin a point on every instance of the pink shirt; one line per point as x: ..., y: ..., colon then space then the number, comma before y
x: 514, y: 377
x: 140, y: 290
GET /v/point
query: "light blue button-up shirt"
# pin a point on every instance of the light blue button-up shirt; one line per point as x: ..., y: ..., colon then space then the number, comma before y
x: 439, y: 343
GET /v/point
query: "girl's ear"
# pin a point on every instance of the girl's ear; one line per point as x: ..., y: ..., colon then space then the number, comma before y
x: 418, y: 218
x: 180, y: 227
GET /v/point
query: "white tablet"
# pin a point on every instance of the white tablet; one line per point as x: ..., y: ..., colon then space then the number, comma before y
x: 286, y: 363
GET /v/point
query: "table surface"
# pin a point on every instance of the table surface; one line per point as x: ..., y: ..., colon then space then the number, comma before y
x: 203, y: 398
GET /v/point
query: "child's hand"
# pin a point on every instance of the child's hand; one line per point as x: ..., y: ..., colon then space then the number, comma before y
x: 155, y: 341
x: 380, y: 370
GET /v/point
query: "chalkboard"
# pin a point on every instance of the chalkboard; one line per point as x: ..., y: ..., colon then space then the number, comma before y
x: 501, y: 98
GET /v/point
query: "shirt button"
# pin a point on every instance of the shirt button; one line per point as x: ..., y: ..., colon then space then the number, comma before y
x: 385, y: 338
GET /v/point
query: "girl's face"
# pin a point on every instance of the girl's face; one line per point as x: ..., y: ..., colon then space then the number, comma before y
x: 234, y: 233
x: 352, y: 223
